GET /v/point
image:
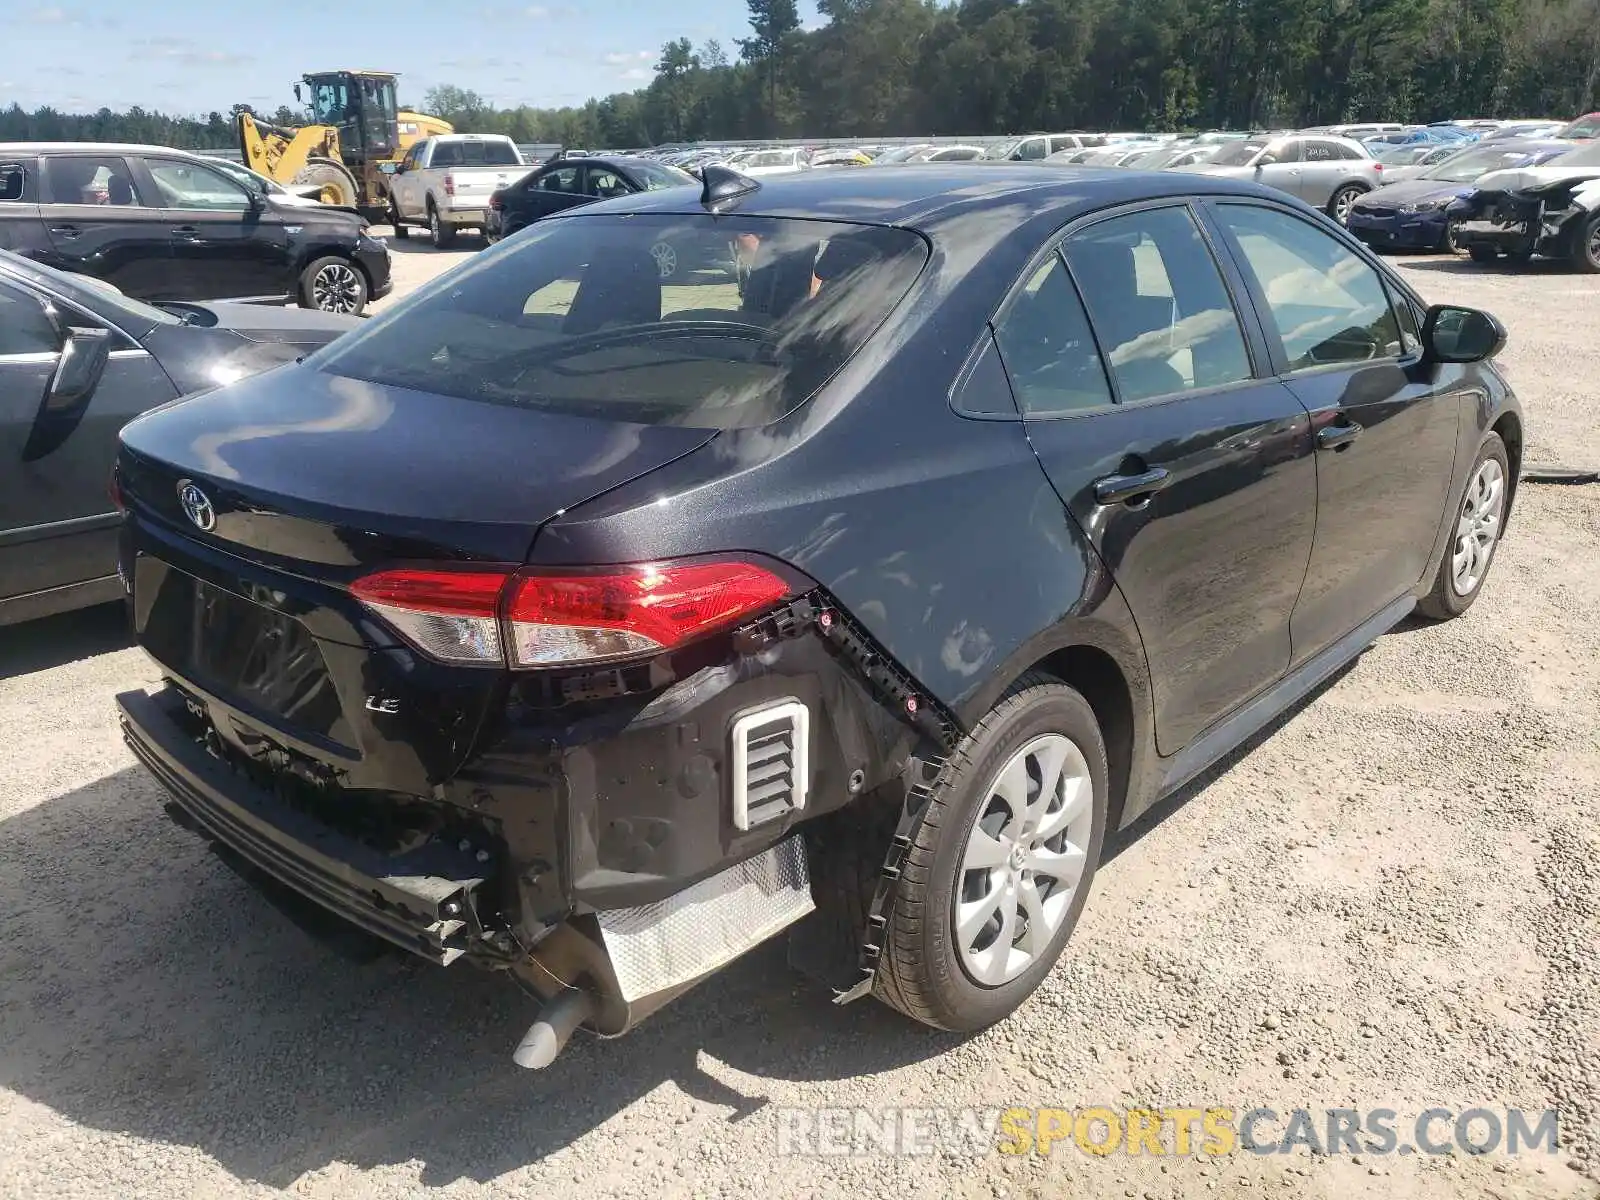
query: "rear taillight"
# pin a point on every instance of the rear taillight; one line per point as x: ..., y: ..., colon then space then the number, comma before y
x: 449, y: 615
x: 1378, y: 167
x: 449, y: 184
x: 546, y: 619
x: 496, y: 203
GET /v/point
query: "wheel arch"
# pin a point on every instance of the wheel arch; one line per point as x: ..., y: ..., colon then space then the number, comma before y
x: 1509, y: 426
x: 1106, y: 665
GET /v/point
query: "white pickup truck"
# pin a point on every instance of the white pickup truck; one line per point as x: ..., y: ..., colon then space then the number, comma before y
x: 445, y: 183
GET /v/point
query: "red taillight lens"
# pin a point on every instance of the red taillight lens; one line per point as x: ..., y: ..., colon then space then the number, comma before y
x: 449, y: 185
x: 631, y: 610
x: 450, y: 615
x: 552, y: 619
x: 496, y: 203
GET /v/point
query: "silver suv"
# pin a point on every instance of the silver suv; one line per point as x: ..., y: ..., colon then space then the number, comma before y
x: 1328, y: 172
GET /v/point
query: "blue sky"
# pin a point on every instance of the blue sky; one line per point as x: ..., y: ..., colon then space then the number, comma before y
x: 192, y: 56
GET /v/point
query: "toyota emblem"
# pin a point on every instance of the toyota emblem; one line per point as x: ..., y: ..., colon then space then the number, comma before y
x: 196, y: 505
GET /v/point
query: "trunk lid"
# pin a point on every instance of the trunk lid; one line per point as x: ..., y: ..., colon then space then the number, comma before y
x: 303, y: 465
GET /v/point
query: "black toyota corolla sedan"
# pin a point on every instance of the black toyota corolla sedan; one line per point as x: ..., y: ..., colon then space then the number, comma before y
x: 597, y: 630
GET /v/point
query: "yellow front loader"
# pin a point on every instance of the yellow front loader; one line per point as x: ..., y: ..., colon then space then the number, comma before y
x: 358, y: 129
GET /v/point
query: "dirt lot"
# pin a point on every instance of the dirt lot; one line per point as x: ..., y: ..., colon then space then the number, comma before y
x: 1393, y: 900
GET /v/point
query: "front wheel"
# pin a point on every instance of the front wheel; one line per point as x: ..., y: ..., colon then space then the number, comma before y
x: 1451, y: 242
x: 1001, y: 866
x: 333, y: 285
x: 1343, y: 201
x: 401, y: 231
x: 1479, y: 520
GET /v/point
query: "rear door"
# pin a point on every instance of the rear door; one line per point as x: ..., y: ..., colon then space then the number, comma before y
x: 57, y: 525
x: 20, y: 226
x: 1324, y: 168
x: 1152, y: 409
x: 100, y: 222
x: 1385, y: 424
x: 223, y: 246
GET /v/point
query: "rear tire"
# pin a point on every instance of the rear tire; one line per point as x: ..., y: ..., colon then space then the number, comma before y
x: 1343, y: 200
x: 1586, y: 248
x: 333, y: 285
x: 953, y: 972
x: 1469, y: 551
x: 401, y: 230
x: 1480, y: 253
x: 443, y: 235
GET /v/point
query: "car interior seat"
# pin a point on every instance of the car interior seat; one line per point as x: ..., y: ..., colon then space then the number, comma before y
x: 118, y: 190
x: 1134, y: 329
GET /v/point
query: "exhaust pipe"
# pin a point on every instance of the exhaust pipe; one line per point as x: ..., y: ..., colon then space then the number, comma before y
x: 548, y: 1035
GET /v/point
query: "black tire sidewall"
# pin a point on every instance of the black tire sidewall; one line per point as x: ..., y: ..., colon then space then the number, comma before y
x: 400, y: 230
x: 1581, y: 256
x: 958, y: 1003
x: 440, y: 233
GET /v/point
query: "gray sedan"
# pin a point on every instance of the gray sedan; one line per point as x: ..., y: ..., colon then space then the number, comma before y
x: 1327, y: 172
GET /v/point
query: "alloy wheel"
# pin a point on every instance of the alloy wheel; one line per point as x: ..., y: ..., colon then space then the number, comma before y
x: 1024, y: 857
x: 1343, y: 203
x: 1478, y: 528
x: 1594, y: 244
x: 336, y: 289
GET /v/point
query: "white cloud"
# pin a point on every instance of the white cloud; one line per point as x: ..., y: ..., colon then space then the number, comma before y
x: 636, y: 73
x: 49, y: 16
x: 536, y: 11
x: 621, y: 58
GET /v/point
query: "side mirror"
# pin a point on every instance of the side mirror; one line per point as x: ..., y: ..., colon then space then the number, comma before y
x: 78, y: 373
x: 1452, y: 334
x: 1266, y: 160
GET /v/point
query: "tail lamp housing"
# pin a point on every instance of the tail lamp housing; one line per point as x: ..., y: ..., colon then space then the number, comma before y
x: 533, y: 617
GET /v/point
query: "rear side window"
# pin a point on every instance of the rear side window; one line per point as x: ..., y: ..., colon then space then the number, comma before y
x: 1048, y: 349
x: 1327, y: 303
x: 13, y: 181
x: 715, y: 322
x: 82, y: 179
x: 24, y: 327
x: 1158, y: 304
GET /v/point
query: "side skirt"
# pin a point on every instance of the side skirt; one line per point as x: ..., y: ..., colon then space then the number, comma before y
x: 1228, y: 734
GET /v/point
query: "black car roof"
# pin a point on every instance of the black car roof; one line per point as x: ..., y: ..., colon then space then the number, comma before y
x: 925, y: 196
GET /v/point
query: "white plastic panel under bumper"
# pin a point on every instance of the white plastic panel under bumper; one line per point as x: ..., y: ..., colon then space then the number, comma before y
x: 708, y: 925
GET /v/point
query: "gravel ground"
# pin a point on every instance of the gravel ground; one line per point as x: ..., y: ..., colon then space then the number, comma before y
x: 1393, y: 900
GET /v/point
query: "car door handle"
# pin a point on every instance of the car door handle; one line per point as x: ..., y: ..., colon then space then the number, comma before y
x: 66, y: 231
x: 1117, y: 489
x: 186, y: 231
x: 1337, y: 437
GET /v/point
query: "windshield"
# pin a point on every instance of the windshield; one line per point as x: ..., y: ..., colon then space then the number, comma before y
x: 1583, y: 127
x: 901, y: 155
x: 1238, y: 154
x: 572, y: 317
x: 1004, y: 149
x: 1399, y: 156
x: 249, y: 178
x: 1469, y: 164
x: 656, y: 177
x: 135, y: 316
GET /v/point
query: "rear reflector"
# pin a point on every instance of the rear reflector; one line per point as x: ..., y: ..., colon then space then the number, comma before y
x: 539, y: 619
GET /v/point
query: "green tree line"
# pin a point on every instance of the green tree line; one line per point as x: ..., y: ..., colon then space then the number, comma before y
x: 888, y: 67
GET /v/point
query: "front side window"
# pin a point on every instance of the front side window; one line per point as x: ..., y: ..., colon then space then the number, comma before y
x: 1158, y: 304
x: 1048, y: 349
x: 1289, y: 151
x: 572, y: 317
x: 82, y: 179
x: 1327, y: 304
x: 24, y: 326
x: 562, y: 179
x: 605, y: 183
x: 194, y: 187
x: 1032, y: 148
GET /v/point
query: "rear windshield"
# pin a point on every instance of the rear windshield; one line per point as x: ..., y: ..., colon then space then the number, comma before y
x: 717, y: 322
x: 475, y: 154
